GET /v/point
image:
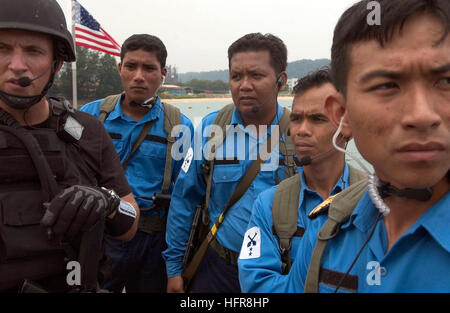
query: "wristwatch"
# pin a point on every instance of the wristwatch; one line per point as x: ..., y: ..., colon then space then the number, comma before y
x: 114, y: 199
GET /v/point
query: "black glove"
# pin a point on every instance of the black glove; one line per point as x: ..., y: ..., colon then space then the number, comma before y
x: 76, y: 209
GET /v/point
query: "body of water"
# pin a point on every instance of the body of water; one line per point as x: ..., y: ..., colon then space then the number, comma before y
x: 196, y: 109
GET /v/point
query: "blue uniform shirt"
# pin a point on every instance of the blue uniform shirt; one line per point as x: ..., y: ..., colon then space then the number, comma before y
x: 145, y: 169
x: 190, y: 188
x: 263, y: 273
x: 418, y: 262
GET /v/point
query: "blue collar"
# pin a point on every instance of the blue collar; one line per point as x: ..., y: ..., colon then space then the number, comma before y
x: 236, y: 120
x: 341, y: 184
x: 435, y: 220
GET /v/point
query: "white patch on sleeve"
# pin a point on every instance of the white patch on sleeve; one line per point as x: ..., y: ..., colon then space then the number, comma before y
x: 127, y: 209
x: 187, y: 160
x: 251, y: 246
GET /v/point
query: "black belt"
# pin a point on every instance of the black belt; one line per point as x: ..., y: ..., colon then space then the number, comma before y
x: 151, y: 224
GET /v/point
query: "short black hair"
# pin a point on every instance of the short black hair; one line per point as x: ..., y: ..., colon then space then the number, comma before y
x: 312, y: 80
x: 259, y: 42
x: 147, y: 43
x: 353, y: 28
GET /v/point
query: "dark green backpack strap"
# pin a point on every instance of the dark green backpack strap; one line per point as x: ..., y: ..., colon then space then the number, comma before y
x: 356, y: 175
x: 285, y: 216
x: 340, y: 210
x: 107, y: 106
x: 172, y: 117
x: 222, y: 119
x: 287, y: 146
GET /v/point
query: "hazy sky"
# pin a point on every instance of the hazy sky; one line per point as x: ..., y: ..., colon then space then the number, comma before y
x: 197, y: 33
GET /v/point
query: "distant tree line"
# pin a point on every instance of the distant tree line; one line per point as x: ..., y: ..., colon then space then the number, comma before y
x: 295, y: 69
x: 97, y: 76
x: 201, y: 86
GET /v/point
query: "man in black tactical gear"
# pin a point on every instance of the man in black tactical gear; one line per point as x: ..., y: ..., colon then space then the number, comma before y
x: 61, y: 182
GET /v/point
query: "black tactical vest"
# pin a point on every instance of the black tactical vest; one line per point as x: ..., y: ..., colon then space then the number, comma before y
x: 25, y: 250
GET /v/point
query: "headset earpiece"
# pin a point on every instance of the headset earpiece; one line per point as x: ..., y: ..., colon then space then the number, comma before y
x: 280, y: 82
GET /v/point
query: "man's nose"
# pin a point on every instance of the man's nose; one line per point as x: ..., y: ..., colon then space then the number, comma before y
x: 420, y: 111
x: 17, y: 62
x: 246, y: 83
x: 138, y: 75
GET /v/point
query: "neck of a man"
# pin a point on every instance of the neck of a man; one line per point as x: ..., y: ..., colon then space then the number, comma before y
x: 36, y: 114
x: 405, y: 212
x: 260, y: 118
x: 323, y: 174
x: 135, y: 112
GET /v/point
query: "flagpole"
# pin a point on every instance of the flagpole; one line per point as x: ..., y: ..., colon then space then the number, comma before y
x: 74, y: 64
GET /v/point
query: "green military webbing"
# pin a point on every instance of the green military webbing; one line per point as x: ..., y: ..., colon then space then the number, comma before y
x: 340, y: 210
x: 285, y: 212
x: 107, y: 106
x: 172, y: 117
x: 223, y: 119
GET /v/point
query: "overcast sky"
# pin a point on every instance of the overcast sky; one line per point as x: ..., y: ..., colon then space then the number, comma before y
x: 197, y: 33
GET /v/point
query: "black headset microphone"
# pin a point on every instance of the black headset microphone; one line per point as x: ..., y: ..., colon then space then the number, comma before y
x: 26, y: 81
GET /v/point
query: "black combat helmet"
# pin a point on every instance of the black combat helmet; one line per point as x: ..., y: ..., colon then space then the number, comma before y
x: 42, y: 16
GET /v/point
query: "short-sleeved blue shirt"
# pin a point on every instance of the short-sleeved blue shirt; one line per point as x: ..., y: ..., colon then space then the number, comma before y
x: 263, y: 273
x: 190, y: 188
x: 145, y: 169
x: 418, y: 262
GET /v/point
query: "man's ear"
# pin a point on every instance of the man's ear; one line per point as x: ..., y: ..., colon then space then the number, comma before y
x: 283, y: 76
x: 119, y: 67
x: 163, y: 74
x: 335, y: 109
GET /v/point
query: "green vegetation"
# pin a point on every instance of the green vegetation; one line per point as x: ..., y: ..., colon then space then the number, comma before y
x: 297, y: 69
x: 200, y: 86
x: 97, y: 77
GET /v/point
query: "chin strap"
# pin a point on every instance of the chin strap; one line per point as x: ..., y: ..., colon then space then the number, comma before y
x: 386, y: 190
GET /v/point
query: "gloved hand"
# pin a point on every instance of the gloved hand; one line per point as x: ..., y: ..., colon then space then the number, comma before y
x: 76, y: 209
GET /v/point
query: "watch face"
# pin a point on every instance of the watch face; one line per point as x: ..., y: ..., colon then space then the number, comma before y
x: 111, y: 192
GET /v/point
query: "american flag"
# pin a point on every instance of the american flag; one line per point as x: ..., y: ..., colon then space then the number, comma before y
x: 89, y: 33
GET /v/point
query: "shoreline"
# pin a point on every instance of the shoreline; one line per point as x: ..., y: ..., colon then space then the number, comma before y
x: 206, y: 99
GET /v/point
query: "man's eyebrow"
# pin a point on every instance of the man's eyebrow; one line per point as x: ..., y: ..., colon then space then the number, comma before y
x: 441, y: 69
x: 380, y: 74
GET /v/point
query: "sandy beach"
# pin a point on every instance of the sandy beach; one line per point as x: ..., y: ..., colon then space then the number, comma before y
x: 206, y: 99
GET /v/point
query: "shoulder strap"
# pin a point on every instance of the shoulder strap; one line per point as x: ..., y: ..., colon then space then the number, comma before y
x: 355, y: 175
x: 107, y: 106
x: 241, y: 188
x: 172, y: 117
x: 137, y: 143
x: 285, y: 216
x: 287, y: 146
x: 340, y: 210
x: 222, y: 119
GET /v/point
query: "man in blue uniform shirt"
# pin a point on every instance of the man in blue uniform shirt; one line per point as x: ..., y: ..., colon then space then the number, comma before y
x: 262, y: 265
x: 394, y: 83
x: 138, y: 265
x: 257, y: 72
